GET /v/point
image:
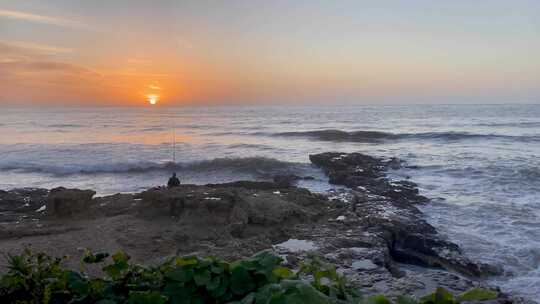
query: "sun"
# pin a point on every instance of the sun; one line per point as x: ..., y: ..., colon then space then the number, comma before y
x: 152, y: 99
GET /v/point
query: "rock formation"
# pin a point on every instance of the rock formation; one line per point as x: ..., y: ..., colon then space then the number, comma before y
x: 62, y: 202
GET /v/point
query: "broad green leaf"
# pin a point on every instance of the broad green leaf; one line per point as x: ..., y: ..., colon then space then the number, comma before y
x: 114, y: 270
x: 77, y: 284
x: 181, y: 274
x: 248, y: 264
x: 213, y: 283
x: 268, y: 293
x: 440, y: 296
x: 297, y: 292
x: 308, y: 294
x: 217, y: 268
x: 378, y: 299
x: 405, y: 300
x: 91, y: 258
x: 222, y: 289
x: 120, y: 257
x: 241, y: 281
x: 146, y: 297
x: 177, y: 293
x: 201, y: 277
x: 120, y: 265
x: 478, y: 294
x: 267, y: 259
x: 283, y: 273
x: 185, y: 261
x: 98, y: 286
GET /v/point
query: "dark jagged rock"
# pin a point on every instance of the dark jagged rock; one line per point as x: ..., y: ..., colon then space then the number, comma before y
x: 22, y: 200
x: 287, y: 180
x: 366, y: 173
x: 247, y: 185
x: 62, y: 202
x: 388, y: 209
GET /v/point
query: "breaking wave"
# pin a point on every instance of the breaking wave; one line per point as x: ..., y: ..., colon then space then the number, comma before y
x: 260, y: 166
x: 338, y: 135
x: 64, y: 126
x: 377, y: 136
x: 250, y: 146
x: 525, y: 124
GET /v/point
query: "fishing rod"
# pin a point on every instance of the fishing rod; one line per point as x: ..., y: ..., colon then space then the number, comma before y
x: 174, y: 145
x: 173, y: 181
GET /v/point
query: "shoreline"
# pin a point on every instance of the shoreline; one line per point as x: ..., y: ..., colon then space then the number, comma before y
x: 369, y: 232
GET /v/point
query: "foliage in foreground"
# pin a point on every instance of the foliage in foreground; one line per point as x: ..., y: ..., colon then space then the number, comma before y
x: 261, y: 279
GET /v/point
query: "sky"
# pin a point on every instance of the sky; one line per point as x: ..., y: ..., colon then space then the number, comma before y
x: 74, y: 52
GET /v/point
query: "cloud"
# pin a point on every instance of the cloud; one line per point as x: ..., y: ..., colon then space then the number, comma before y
x: 10, y: 53
x: 18, y: 15
x: 29, y: 59
x: 30, y: 46
x: 154, y: 87
x: 16, y: 53
x: 52, y: 66
x: 47, y: 66
x: 140, y: 74
x: 139, y: 61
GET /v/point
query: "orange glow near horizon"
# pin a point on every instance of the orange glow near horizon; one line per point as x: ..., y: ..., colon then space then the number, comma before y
x: 152, y: 99
x: 79, y: 52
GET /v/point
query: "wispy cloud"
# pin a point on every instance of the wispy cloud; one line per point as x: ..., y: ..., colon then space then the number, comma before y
x: 154, y: 87
x: 29, y: 58
x: 36, y: 47
x: 26, y: 66
x: 139, y: 61
x: 24, y: 16
x: 139, y: 74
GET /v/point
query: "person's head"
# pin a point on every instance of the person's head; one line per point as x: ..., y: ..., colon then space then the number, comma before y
x: 174, y: 174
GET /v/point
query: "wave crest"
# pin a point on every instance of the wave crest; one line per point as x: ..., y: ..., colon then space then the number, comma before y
x: 60, y: 126
x: 254, y: 165
x: 338, y: 135
x: 377, y: 136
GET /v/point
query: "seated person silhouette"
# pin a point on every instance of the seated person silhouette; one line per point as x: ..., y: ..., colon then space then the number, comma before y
x: 173, y: 181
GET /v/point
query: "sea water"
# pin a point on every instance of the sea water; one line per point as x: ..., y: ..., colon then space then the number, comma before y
x: 480, y: 164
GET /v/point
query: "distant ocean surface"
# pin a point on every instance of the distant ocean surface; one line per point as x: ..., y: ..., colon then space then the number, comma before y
x: 479, y: 164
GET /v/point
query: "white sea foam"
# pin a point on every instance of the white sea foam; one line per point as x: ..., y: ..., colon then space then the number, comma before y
x: 294, y: 245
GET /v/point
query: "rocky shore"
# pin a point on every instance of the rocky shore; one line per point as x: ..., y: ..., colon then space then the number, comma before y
x: 372, y: 230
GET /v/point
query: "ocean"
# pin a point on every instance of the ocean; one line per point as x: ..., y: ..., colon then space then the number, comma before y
x: 480, y: 164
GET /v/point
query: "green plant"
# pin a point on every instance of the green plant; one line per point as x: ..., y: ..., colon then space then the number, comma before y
x: 261, y: 279
x: 326, y: 279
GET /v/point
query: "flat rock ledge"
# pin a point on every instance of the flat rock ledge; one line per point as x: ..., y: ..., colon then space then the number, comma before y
x: 372, y: 232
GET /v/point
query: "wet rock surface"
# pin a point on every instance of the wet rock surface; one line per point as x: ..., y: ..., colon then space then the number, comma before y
x: 387, y: 208
x: 366, y: 174
x: 289, y: 180
x: 22, y: 200
x: 372, y: 232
